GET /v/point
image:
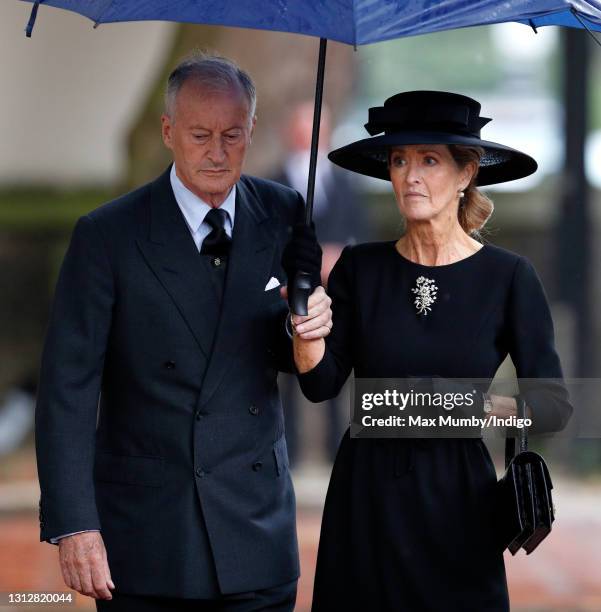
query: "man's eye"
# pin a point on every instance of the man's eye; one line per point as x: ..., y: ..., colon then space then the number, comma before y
x: 199, y: 136
x: 232, y: 137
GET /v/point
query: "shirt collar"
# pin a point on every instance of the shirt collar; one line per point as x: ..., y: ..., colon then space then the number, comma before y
x: 194, y: 208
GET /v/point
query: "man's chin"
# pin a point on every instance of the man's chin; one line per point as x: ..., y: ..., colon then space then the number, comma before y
x: 210, y: 190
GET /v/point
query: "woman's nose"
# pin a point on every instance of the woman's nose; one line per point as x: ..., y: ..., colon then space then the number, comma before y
x: 413, y: 174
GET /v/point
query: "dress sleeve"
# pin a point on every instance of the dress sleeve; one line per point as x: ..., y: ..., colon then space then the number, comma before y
x: 532, y: 349
x: 326, y: 379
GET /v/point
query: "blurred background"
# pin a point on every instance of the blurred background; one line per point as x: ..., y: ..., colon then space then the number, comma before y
x: 79, y: 125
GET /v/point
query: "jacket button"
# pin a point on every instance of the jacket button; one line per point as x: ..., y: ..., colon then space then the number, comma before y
x: 170, y: 365
x: 200, y: 473
x: 200, y: 414
x: 217, y: 262
x: 253, y: 410
x: 257, y: 466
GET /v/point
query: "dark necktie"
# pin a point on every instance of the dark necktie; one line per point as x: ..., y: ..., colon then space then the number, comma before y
x: 217, y: 242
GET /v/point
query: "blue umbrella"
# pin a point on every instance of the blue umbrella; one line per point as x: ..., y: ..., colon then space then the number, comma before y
x: 355, y: 22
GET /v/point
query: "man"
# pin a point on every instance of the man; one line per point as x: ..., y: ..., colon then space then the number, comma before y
x: 159, y: 431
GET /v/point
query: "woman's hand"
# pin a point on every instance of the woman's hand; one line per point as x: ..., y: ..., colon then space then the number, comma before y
x: 504, y: 406
x: 309, y: 331
x: 318, y: 322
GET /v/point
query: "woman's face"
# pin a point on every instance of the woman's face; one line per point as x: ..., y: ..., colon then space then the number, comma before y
x: 427, y: 181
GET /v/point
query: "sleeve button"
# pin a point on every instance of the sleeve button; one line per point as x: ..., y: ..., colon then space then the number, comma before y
x: 257, y: 466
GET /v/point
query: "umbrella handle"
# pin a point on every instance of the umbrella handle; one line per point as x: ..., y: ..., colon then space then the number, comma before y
x: 298, y: 293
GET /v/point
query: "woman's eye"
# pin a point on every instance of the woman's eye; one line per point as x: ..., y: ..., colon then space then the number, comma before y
x: 430, y: 161
x: 398, y: 161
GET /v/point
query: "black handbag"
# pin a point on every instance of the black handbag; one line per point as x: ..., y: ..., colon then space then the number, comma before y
x: 524, y: 502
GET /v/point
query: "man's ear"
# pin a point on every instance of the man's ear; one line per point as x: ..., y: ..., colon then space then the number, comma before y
x: 166, y: 130
x: 252, y: 128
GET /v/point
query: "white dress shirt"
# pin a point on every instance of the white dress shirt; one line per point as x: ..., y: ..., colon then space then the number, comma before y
x: 195, y: 209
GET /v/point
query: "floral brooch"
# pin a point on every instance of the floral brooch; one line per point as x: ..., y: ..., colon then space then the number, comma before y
x: 425, y: 290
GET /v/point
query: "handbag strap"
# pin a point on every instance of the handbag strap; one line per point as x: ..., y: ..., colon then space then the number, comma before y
x: 522, y: 433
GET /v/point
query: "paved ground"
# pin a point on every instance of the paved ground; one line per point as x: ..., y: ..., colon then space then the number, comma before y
x: 563, y: 575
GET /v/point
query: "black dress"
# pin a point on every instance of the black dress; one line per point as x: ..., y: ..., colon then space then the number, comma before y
x: 407, y: 522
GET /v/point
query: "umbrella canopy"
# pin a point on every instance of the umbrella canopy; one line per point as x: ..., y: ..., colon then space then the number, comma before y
x: 355, y: 22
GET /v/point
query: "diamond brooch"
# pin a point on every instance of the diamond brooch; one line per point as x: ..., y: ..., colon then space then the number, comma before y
x: 425, y: 291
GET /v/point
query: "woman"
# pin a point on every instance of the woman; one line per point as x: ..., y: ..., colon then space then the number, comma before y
x: 408, y: 523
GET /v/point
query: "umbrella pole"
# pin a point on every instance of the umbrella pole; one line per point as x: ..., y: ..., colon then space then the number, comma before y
x: 321, y: 68
x: 300, y: 289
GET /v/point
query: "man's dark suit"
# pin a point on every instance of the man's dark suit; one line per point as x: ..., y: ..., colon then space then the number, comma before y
x: 186, y: 471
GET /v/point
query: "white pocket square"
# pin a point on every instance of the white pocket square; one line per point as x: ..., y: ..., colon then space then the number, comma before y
x: 272, y: 284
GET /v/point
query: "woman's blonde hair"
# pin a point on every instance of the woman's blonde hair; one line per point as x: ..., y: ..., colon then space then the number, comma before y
x: 475, y: 209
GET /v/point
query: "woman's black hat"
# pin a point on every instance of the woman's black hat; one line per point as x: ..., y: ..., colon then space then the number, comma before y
x: 430, y: 117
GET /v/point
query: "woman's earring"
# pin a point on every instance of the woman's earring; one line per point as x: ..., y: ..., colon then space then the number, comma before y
x: 462, y: 194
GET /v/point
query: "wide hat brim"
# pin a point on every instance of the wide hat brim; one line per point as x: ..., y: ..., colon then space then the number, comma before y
x: 369, y: 156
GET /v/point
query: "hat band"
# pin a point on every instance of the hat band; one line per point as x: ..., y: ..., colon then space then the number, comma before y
x: 454, y: 120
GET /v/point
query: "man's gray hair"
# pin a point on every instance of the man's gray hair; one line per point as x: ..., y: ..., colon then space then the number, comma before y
x: 213, y: 71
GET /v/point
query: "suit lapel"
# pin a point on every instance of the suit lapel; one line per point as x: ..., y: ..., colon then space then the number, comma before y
x: 169, y: 250
x: 248, y: 271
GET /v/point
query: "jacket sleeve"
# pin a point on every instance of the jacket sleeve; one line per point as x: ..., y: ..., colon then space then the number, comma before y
x: 70, y: 380
x: 326, y: 379
x: 532, y: 350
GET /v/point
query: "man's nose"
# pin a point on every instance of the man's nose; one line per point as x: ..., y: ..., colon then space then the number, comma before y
x: 216, y: 151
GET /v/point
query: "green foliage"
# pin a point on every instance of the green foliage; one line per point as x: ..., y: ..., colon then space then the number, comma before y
x: 46, y: 210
